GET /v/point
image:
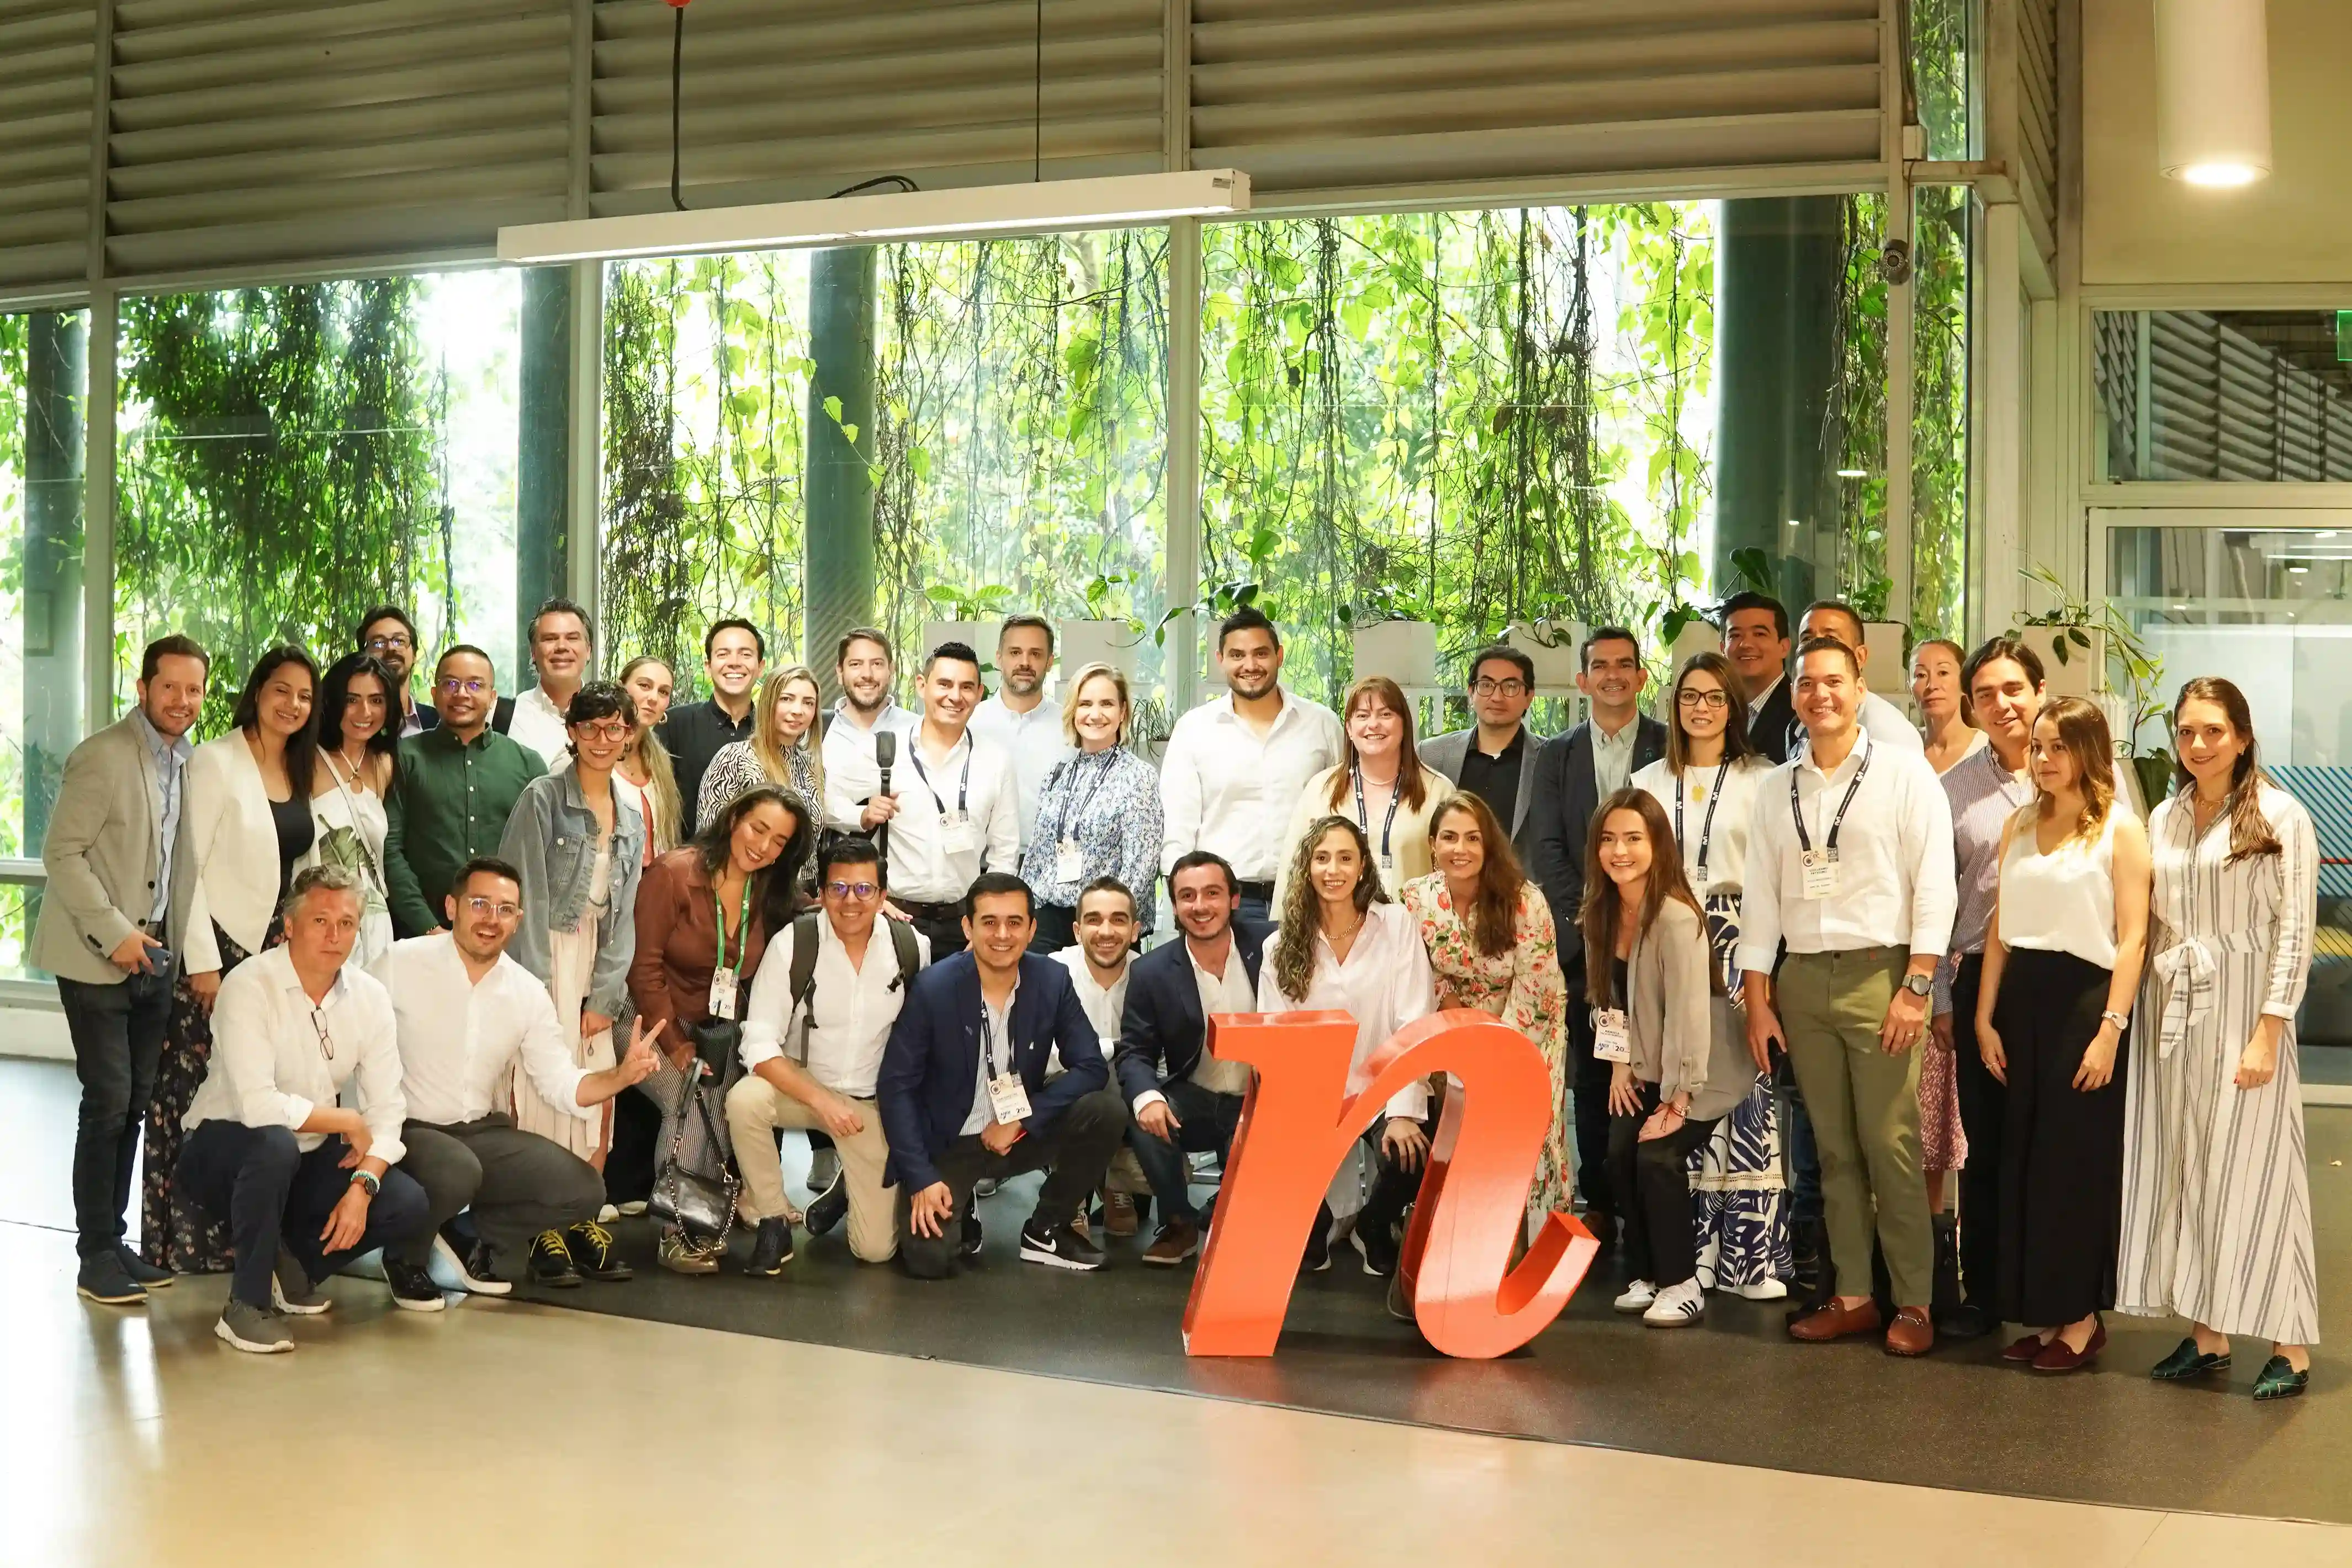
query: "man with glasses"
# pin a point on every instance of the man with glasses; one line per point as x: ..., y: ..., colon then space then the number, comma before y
x: 1495, y: 759
x: 467, y: 1014
x: 388, y: 634
x: 821, y: 1013
x: 453, y: 788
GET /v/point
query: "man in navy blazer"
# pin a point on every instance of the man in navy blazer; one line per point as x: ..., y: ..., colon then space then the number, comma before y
x: 964, y: 1093
x: 1183, y: 1099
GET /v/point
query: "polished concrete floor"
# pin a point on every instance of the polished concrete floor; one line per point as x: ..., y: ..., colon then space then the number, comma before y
x: 520, y: 1433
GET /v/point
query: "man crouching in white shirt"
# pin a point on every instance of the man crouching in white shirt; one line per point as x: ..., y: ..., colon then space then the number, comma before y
x: 304, y: 1183
x: 467, y: 1014
x: 1097, y: 966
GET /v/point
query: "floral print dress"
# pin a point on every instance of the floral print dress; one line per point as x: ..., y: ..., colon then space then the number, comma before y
x: 1523, y: 986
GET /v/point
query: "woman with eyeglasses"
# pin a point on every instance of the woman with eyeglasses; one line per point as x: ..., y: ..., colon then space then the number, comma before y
x: 246, y: 802
x: 1098, y: 813
x: 704, y: 915
x: 1707, y: 782
x: 781, y: 749
x: 579, y: 847
x: 358, y: 707
x: 1379, y: 783
x: 643, y: 775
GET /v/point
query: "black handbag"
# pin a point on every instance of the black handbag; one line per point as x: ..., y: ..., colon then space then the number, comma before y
x: 715, y: 1042
x: 698, y: 1202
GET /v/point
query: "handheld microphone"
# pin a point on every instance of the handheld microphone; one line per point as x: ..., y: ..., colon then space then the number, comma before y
x: 886, y: 752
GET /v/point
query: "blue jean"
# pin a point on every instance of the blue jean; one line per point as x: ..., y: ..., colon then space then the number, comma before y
x: 271, y: 1192
x: 118, y: 1039
x: 1797, y: 1145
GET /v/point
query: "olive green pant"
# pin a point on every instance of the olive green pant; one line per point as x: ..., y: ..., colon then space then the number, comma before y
x: 1865, y: 1112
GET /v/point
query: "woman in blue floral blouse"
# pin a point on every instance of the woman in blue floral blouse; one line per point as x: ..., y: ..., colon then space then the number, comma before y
x: 1098, y: 813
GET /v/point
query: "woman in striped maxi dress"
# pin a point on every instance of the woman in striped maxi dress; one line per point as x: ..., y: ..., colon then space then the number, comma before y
x: 2217, y: 1202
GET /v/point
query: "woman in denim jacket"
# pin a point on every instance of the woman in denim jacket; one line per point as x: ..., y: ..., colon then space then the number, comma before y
x: 581, y: 847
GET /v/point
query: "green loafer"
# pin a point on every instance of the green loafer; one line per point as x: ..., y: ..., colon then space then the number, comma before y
x: 2187, y: 1361
x: 2280, y: 1380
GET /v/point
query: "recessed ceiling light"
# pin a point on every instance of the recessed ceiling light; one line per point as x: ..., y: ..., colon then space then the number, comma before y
x: 2222, y: 176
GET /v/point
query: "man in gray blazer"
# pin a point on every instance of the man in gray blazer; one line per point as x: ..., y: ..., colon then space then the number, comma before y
x: 1495, y: 758
x: 121, y: 874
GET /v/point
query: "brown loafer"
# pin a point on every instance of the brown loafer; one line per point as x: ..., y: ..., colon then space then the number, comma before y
x: 1912, y: 1332
x: 2026, y: 1349
x: 1835, y: 1322
x: 2056, y: 1357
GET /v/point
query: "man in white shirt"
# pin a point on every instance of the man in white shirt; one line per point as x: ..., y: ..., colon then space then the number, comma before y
x: 305, y: 1182
x: 468, y: 1015
x: 1883, y: 720
x: 1097, y: 963
x: 1018, y: 721
x: 559, y: 649
x: 811, y: 1059
x: 1234, y: 767
x: 1185, y: 1100
x: 954, y: 808
x: 855, y: 798
x: 1850, y: 863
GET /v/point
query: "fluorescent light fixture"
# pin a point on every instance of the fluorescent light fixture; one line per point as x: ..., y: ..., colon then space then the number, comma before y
x: 2220, y: 176
x: 2298, y: 571
x: 1853, y: 473
x: 2213, y: 92
x: 1794, y: 524
x: 2179, y: 606
x: 977, y: 211
x: 2324, y: 533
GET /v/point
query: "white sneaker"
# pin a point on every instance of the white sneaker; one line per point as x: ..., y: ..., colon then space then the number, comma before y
x: 1676, y: 1307
x: 629, y: 1210
x: 1762, y: 1290
x: 1637, y: 1296
x: 608, y: 1215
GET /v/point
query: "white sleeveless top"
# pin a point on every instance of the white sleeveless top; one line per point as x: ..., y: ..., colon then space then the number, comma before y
x: 2064, y: 902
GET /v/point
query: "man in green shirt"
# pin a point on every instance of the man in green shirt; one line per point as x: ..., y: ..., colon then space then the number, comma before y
x: 452, y: 790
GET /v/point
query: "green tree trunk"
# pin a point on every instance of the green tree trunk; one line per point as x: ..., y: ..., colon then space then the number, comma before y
x: 543, y: 461
x: 57, y: 361
x: 839, y: 584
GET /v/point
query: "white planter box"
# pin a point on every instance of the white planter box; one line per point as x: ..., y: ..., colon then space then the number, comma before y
x: 981, y: 635
x: 1696, y: 637
x: 1404, y: 651
x: 2084, y: 671
x: 1890, y: 672
x: 1082, y: 643
x: 1556, y: 668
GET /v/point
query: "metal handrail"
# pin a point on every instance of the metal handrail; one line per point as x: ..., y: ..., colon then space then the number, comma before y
x: 16, y: 870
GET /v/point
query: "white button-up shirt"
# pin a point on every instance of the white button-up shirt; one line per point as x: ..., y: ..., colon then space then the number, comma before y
x: 927, y: 865
x: 1612, y: 756
x: 1224, y: 788
x: 1384, y: 983
x: 277, y: 1058
x: 460, y: 1037
x: 1103, y: 1004
x: 1230, y: 992
x: 538, y: 724
x: 851, y: 774
x: 999, y: 1030
x: 851, y: 1007
x: 1032, y: 739
x: 1895, y: 885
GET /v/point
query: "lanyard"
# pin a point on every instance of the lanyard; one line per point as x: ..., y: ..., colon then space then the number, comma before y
x: 963, y: 790
x: 1707, y: 828
x: 1364, y: 817
x: 1804, y: 840
x: 1071, y: 818
x: 988, y: 1033
x: 742, y: 925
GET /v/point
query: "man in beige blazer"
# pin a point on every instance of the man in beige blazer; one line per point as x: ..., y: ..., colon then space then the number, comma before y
x: 121, y: 875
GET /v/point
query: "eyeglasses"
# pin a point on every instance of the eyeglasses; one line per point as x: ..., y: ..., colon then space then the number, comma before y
x: 616, y: 731
x: 469, y: 687
x: 853, y: 889
x: 481, y: 905
x: 1485, y: 687
x: 326, y: 1040
x: 1691, y: 697
x: 385, y: 645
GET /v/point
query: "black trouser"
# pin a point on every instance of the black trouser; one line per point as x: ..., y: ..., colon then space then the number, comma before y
x: 1057, y: 928
x: 1255, y: 901
x: 1074, y: 1151
x: 1589, y: 1083
x: 258, y: 1179
x: 2061, y: 1189
x: 118, y: 1039
x: 1395, y: 1184
x: 518, y: 1185
x: 1984, y: 1117
x: 1652, y: 1179
x: 942, y: 923
x: 637, y: 1142
x: 1205, y: 1123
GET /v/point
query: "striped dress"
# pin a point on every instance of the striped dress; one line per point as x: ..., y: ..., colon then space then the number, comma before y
x: 2217, y: 1200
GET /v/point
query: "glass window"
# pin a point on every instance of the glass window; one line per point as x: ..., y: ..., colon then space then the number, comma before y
x: 1943, y: 229
x: 43, y: 359
x: 2224, y: 394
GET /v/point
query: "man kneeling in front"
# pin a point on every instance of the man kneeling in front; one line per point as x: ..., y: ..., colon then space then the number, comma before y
x: 964, y: 1095
x: 467, y: 1014
x: 304, y: 1183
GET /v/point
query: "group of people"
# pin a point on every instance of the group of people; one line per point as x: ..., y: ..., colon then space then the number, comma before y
x: 1811, y: 958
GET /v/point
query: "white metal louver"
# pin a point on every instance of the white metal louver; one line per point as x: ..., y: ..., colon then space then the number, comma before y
x: 2190, y: 397
x: 47, y: 47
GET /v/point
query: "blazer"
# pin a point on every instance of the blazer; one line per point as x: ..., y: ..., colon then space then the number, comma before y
x: 1683, y: 1038
x: 101, y: 856
x: 552, y: 841
x: 1773, y: 730
x: 1162, y: 1030
x: 1445, y: 753
x: 1564, y: 797
x: 235, y: 842
x: 932, y: 1065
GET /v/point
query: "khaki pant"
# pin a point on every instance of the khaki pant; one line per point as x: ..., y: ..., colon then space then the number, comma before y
x: 756, y: 1108
x: 1865, y: 1114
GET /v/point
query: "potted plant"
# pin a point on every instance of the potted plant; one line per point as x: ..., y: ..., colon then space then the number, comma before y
x: 2081, y: 645
x: 1099, y: 636
x: 1390, y: 639
x: 971, y: 617
x: 1148, y: 729
x: 1553, y: 646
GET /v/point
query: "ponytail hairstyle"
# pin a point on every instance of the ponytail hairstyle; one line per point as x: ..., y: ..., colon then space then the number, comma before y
x: 2249, y: 830
x: 1604, y: 905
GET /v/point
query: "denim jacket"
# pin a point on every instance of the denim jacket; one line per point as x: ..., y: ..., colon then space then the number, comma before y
x: 552, y: 839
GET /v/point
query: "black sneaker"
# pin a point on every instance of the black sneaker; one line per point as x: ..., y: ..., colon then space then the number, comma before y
x: 1317, y: 1257
x: 771, y: 1249
x: 984, y: 1188
x: 591, y: 1246
x: 143, y: 1274
x: 968, y: 1248
x: 550, y: 1262
x: 103, y: 1279
x: 1377, y: 1245
x: 829, y: 1206
x: 1059, y: 1248
x: 468, y: 1261
x: 412, y: 1287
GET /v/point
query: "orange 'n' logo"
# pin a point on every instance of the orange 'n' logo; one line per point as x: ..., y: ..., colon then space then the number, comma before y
x: 1296, y: 1126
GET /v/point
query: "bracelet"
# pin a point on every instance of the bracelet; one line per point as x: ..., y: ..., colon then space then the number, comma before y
x: 363, y: 1179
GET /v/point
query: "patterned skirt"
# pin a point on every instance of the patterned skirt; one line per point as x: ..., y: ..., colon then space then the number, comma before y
x: 1738, y: 1202
x: 1943, y: 1142
x: 189, y: 1241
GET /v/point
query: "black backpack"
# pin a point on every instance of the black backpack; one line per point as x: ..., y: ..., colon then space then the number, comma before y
x: 803, y: 970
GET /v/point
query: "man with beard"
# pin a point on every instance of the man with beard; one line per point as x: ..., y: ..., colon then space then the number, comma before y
x: 733, y: 653
x: 561, y: 647
x: 1018, y: 720
x: 863, y: 667
x: 1097, y: 963
x: 388, y: 633
x: 453, y: 788
x: 1236, y: 766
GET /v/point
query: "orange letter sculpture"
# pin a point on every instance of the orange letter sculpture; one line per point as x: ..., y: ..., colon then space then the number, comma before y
x: 1296, y: 1127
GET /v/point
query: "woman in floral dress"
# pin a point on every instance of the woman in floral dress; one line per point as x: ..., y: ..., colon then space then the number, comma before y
x: 1492, y: 944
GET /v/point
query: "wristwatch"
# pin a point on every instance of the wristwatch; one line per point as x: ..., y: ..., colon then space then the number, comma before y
x: 1920, y: 985
x: 2122, y: 1021
x: 363, y: 1179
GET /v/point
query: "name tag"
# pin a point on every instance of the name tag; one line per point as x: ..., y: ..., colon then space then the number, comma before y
x: 959, y: 834
x: 1611, y: 1041
x: 1069, y: 861
x: 722, y: 994
x: 1821, y: 873
x: 1008, y: 1099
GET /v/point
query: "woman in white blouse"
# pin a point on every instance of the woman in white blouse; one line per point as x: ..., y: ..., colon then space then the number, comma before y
x: 1343, y: 943
x: 1707, y: 783
x: 1378, y: 784
x: 357, y: 737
